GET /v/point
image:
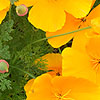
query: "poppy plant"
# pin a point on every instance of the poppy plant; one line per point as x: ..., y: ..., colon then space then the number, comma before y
x: 72, y: 23
x: 4, y: 7
x: 50, y: 15
x: 63, y: 88
x: 53, y: 63
x: 86, y: 65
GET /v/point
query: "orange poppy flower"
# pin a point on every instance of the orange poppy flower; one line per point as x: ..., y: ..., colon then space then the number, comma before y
x: 53, y: 63
x: 72, y: 24
x: 64, y: 88
x: 49, y: 15
x: 86, y: 65
x: 80, y: 44
x: 4, y: 7
x: 81, y: 38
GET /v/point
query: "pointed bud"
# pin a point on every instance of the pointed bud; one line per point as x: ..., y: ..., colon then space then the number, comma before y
x: 4, y: 66
x: 21, y: 10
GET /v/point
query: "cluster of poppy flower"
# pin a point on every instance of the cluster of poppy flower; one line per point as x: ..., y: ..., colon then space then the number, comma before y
x: 76, y: 72
x: 64, y: 83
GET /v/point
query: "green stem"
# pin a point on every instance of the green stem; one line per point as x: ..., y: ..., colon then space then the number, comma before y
x: 46, y: 39
x: 24, y: 72
x: 10, y: 11
x: 59, y: 50
x: 62, y: 34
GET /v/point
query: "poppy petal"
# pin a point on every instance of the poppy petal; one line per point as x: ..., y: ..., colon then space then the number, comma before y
x: 79, y: 41
x: 93, y: 14
x: 27, y: 3
x: 47, y: 16
x: 82, y: 89
x: 3, y: 14
x: 79, y: 8
x: 77, y: 64
x: 28, y: 86
x: 40, y: 89
x: 71, y: 24
x: 93, y: 47
x: 4, y: 4
x: 54, y: 62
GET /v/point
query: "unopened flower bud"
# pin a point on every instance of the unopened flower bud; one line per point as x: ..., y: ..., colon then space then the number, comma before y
x: 21, y: 10
x: 4, y: 66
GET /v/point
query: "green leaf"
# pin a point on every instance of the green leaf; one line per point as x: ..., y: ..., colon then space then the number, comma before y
x: 12, y: 1
x: 4, y: 83
x: 5, y: 30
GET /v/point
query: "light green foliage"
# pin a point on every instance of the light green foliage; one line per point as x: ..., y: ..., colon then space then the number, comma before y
x: 5, y: 30
x: 4, y: 83
x: 23, y: 54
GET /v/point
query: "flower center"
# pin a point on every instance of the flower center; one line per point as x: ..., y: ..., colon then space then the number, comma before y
x: 57, y: 74
x: 82, y: 20
x: 95, y: 63
x: 64, y: 97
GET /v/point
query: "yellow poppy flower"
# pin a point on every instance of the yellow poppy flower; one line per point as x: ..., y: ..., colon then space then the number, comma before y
x: 49, y: 15
x: 86, y: 65
x: 64, y: 88
x: 80, y: 44
x: 4, y: 7
x: 81, y: 38
x: 72, y: 23
x: 53, y: 63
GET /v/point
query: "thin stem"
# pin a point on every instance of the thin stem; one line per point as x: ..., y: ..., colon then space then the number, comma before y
x: 24, y: 72
x: 62, y: 34
x: 59, y: 50
x: 10, y: 11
